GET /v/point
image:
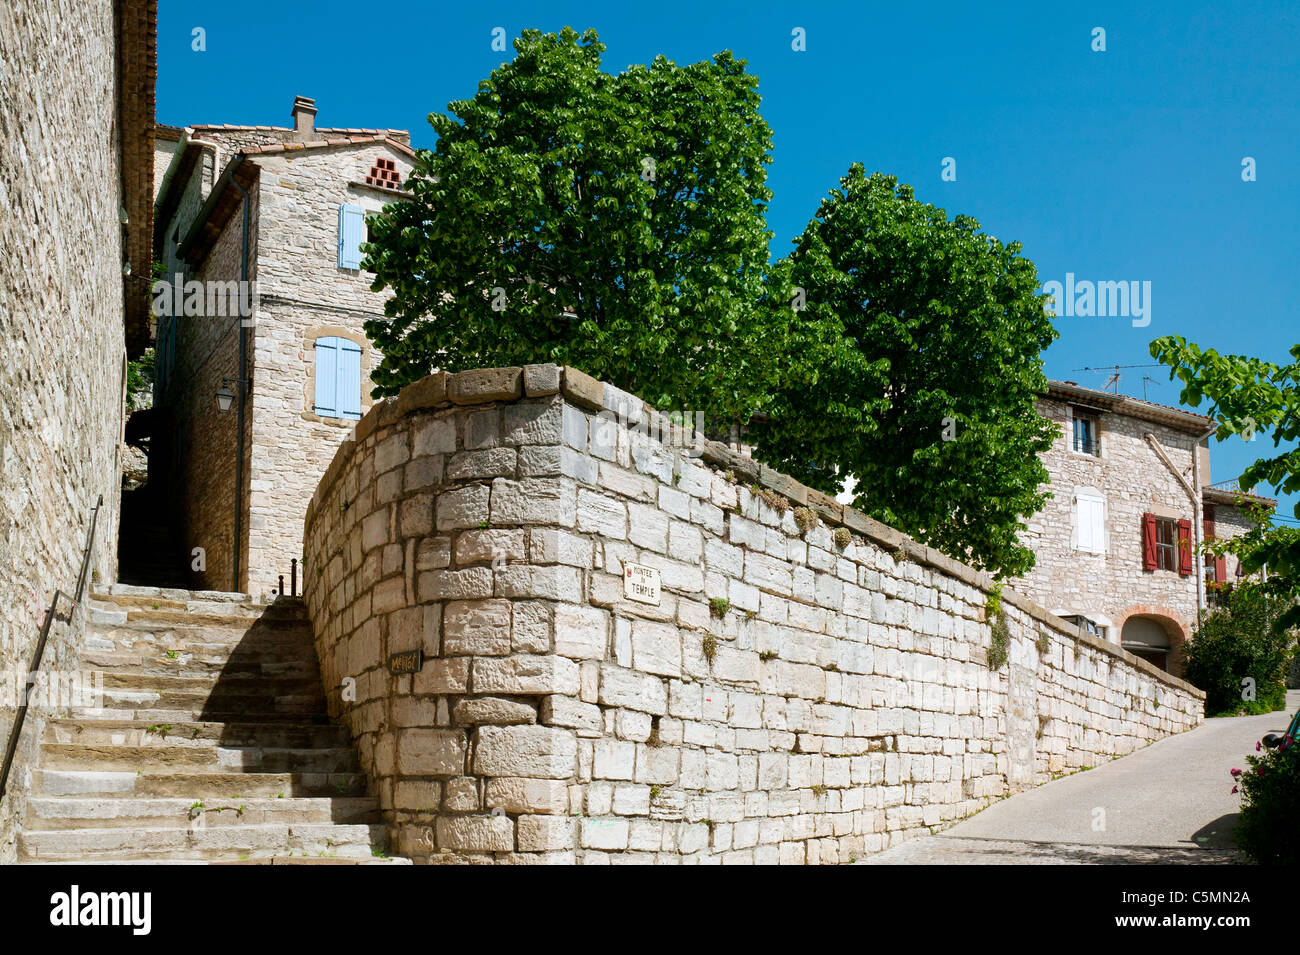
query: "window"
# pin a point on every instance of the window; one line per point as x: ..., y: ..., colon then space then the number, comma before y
x: 1089, y: 520
x: 1086, y: 625
x: 1087, y: 433
x: 352, y: 232
x: 1166, y: 544
x: 338, y: 378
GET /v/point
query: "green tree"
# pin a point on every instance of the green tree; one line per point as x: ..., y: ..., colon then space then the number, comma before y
x: 611, y: 222
x: 915, y: 368
x: 1234, y: 642
x: 1249, y: 396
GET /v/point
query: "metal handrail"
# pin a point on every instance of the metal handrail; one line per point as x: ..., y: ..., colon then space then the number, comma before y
x: 17, y: 729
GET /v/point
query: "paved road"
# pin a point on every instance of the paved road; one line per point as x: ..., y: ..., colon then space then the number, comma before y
x: 1169, y: 802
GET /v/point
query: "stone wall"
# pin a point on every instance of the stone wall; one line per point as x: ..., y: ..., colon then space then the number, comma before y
x: 62, y: 385
x: 810, y: 685
x: 207, y: 359
x: 1134, y: 481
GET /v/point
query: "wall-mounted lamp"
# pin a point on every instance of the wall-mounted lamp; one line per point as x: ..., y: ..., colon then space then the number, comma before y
x: 226, y: 397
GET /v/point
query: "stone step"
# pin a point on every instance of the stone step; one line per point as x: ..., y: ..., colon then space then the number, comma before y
x: 91, y: 812
x: 224, y: 842
x: 196, y: 785
x: 196, y: 759
x: 215, y: 684
x: 207, y: 706
x: 193, y: 662
x: 190, y: 733
x: 125, y: 710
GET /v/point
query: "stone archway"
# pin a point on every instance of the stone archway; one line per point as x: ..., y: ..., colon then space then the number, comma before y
x: 1156, y: 636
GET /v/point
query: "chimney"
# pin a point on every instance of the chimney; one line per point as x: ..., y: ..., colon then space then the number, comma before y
x: 304, y: 117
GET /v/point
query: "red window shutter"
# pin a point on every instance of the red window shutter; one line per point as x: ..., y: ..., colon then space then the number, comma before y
x: 1220, y: 563
x: 1184, y: 547
x: 1148, y: 542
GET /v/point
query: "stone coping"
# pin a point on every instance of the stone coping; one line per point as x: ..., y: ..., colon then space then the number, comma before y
x: 442, y: 390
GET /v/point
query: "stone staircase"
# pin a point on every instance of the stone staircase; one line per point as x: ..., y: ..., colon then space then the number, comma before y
x: 212, y: 744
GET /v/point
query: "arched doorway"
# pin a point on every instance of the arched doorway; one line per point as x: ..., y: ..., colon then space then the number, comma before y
x: 1150, y: 638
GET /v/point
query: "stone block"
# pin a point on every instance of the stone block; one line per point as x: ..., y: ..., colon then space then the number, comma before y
x: 494, y: 710
x: 476, y: 833
x: 476, y: 627
x: 542, y: 752
x: 481, y: 385
x: 581, y: 632
x: 541, y: 380
x: 525, y: 674
x: 431, y: 752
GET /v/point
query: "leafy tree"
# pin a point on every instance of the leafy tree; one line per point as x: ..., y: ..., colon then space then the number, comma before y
x: 611, y: 222
x: 1249, y: 396
x: 139, y: 379
x: 915, y: 367
x: 1235, y: 642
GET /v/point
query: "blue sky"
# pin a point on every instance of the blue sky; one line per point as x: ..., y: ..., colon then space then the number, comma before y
x: 1116, y: 165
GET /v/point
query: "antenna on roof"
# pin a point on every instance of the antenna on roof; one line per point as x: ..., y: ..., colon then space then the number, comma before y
x: 1112, y: 383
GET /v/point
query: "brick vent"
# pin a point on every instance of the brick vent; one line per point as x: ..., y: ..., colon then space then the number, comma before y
x: 384, y: 174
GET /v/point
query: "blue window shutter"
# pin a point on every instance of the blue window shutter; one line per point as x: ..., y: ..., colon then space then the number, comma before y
x: 352, y: 232
x: 327, y: 373
x: 349, y: 386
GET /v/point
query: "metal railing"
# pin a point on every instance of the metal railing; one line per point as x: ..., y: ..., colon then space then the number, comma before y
x: 17, y: 729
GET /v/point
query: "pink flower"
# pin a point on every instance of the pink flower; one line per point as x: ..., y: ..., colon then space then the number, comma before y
x: 1234, y: 789
x: 1235, y: 772
x: 1259, y: 770
x: 1257, y: 747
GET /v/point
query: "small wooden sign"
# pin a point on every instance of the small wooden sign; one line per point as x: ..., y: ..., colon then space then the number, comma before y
x: 408, y: 661
x: 641, y: 583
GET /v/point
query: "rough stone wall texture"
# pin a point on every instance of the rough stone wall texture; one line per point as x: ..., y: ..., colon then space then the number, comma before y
x: 164, y: 150
x: 1134, y: 481
x: 61, y: 317
x: 207, y: 354
x: 799, y: 693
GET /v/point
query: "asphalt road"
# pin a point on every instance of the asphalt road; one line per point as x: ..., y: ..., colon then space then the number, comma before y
x: 1169, y: 802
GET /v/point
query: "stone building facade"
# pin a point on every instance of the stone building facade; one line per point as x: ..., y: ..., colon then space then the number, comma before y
x: 299, y: 184
x: 792, y: 682
x: 76, y: 111
x: 1118, y: 545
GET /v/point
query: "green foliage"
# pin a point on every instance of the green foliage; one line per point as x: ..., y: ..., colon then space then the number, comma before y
x: 999, y: 641
x: 1249, y: 396
x: 1237, y: 642
x: 633, y: 202
x: 718, y: 606
x: 1270, y: 792
x: 139, y: 378
x: 912, y: 318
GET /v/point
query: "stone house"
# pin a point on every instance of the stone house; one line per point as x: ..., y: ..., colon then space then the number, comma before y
x: 267, y: 221
x: 76, y: 143
x: 1117, y: 546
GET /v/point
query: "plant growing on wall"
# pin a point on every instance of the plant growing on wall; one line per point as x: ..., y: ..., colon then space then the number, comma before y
x: 915, y: 368
x: 611, y: 222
